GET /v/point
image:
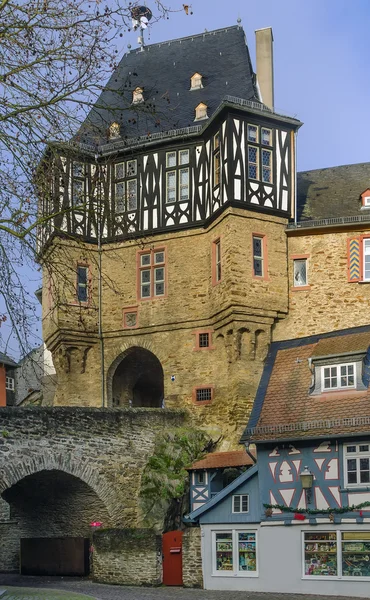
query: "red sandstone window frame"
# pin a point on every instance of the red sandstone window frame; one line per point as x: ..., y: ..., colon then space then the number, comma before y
x: 216, y: 261
x: 300, y: 288
x: 198, y: 333
x: 152, y: 266
x: 203, y: 387
x: 264, y: 258
x: 130, y: 310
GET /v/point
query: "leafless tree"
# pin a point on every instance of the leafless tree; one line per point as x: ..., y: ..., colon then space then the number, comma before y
x: 55, y: 56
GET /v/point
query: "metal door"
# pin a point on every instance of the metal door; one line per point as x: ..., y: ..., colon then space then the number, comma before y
x: 54, y: 556
x: 172, y: 557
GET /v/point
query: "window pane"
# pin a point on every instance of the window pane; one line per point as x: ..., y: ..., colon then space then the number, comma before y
x: 145, y: 291
x: 203, y: 340
x: 119, y: 170
x: 77, y: 192
x: 120, y: 197
x: 216, y: 141
x: 363, y: 448
x: 145, y: 276
x: 245, y: 502
x: 184, y: 184
x: 171, y: 187
x: 183, y: 157
x: 159, y: 257
x: 266, y: 137
x: 132, y: 194
x: 82, y: 275
x: 224, y: 552
x: 320, y: 554
x: 257, y: 246
x: 236, y: 503
x: 266, y: 166
x: 82, y: 293
x: 300, y: 272
x: 351, y: 448
x: 216, y: 168
x: 355, y: 554
x: 145, y: 260
x: 159, y: 274
x: 171, y: 159
x: 247, y: 552
x: 253, y: 162
x: 159, y: 289
x: 252, y: 133
x: 78, y: 170
x: 257, y: 266
x: 131, y: 168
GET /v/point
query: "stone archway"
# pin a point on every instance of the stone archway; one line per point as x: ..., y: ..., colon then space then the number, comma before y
x: 136, y: 379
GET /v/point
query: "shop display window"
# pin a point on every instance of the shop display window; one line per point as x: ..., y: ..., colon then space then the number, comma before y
x: 339, y: 554
x: 356, y: 554
x: 247, y: 552
x: 235, y: 553
x: 224, y: 551
x: 320, y: 554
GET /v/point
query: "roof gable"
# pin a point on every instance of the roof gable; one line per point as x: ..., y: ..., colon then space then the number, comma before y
x: 164, y: 70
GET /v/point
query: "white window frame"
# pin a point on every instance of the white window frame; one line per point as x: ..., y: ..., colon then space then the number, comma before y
x: 241, y: 511
x: 338, y: 376
x: 9, y: 383
x: 235, y: 553
x: 295, y: 281
x: 366, y: 201
x: 339, y: 540
x: 357, y: 456
x: 365, y: 255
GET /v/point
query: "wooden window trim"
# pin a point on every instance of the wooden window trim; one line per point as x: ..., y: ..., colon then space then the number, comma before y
x: 264, y: 276
x: 139, y: 268
x: 130, y: 309
x: 203, y: 387
x: 216, y: 243
x: 197, y: 332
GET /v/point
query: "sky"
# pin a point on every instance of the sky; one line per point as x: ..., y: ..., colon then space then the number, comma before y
x: 321, y: 64
x: 321, y: 60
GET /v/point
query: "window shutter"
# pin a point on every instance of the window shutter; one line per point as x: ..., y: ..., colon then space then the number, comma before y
x: 354, y: 259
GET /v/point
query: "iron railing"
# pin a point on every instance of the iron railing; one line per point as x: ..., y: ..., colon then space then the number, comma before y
x: 329, y: 222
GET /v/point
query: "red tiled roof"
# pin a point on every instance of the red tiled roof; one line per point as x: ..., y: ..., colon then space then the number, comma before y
x: 289, y: 410
x: 216, y: 460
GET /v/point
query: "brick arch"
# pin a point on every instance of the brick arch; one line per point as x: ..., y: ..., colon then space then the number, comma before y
x: 18, y: 468
x: 122, y: 352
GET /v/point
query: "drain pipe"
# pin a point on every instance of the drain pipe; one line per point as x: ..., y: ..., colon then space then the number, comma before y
x: 246, y: 446
x: 100, y: 287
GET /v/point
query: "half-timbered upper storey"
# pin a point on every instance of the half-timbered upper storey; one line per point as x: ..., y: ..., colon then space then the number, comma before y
x: 179, y: 132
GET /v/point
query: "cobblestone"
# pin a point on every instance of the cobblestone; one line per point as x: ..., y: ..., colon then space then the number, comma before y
x: 47, y: 586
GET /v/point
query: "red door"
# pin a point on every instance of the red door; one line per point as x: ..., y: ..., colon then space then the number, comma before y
x: 172, y: 557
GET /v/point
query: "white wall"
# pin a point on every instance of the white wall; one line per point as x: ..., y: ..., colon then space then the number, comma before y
x: 280, y: 560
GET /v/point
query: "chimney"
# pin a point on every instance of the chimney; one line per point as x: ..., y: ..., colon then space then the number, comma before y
x: 265, y: 67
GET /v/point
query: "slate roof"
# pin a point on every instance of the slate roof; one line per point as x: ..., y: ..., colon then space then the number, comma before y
x: 332, y: 192
x: 284, y: 407
x: 234, y: 485
x: 218, y: 460
x: 5, y: 360
x: 164, y: 71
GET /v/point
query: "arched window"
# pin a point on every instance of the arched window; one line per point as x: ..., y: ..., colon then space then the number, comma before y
x: 201, y: 112
x: 196, y: 82
x: 137, y: 95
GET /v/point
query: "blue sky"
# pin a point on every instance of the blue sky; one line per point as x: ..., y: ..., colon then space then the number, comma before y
x: 321, y: 57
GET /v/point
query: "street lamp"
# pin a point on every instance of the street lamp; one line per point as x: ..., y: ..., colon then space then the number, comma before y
x: 306, y: 478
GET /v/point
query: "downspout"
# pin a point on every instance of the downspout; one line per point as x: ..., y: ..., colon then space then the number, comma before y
x: 246, y: 446
x: 295, y: 179
x: 100, y: 287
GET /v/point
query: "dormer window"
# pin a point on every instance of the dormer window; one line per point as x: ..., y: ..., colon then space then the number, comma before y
x: 201, y: 112
x: 196, y: 82
x: 338, y: 377
x: 114, y: 131
x: 137, y: 95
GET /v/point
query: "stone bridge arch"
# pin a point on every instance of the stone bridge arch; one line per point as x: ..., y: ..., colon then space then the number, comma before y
x: 21, y: 466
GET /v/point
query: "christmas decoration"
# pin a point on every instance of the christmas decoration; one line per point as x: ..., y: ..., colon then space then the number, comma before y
x: 315, y: 511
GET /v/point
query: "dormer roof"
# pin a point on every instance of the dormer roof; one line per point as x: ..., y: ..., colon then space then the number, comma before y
x: 164, y: 70
x: 285, y: 406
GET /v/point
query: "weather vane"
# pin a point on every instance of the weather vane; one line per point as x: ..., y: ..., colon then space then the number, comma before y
x: 141, y: 16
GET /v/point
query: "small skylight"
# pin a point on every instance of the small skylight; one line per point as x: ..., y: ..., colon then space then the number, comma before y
x: 114, y: 131
x: 137, y: 95
x: 196, y: 82
x: 201, y: 112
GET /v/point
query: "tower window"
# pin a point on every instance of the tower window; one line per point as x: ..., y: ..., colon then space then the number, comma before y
x: 196, y: 82
x: 300, y: 272
x: 151, y: 275
x: 259, y: 256
x: 216, y: 160
x: 201, y: 112
x: 82, y: 283
x: 125, y: 187
x: 178, y: 179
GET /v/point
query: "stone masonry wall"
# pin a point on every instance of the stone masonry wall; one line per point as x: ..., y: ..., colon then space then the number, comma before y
x: 192, y: 573
x: 330, y: 302
x: 127, y: 556
x: 239, y: 312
